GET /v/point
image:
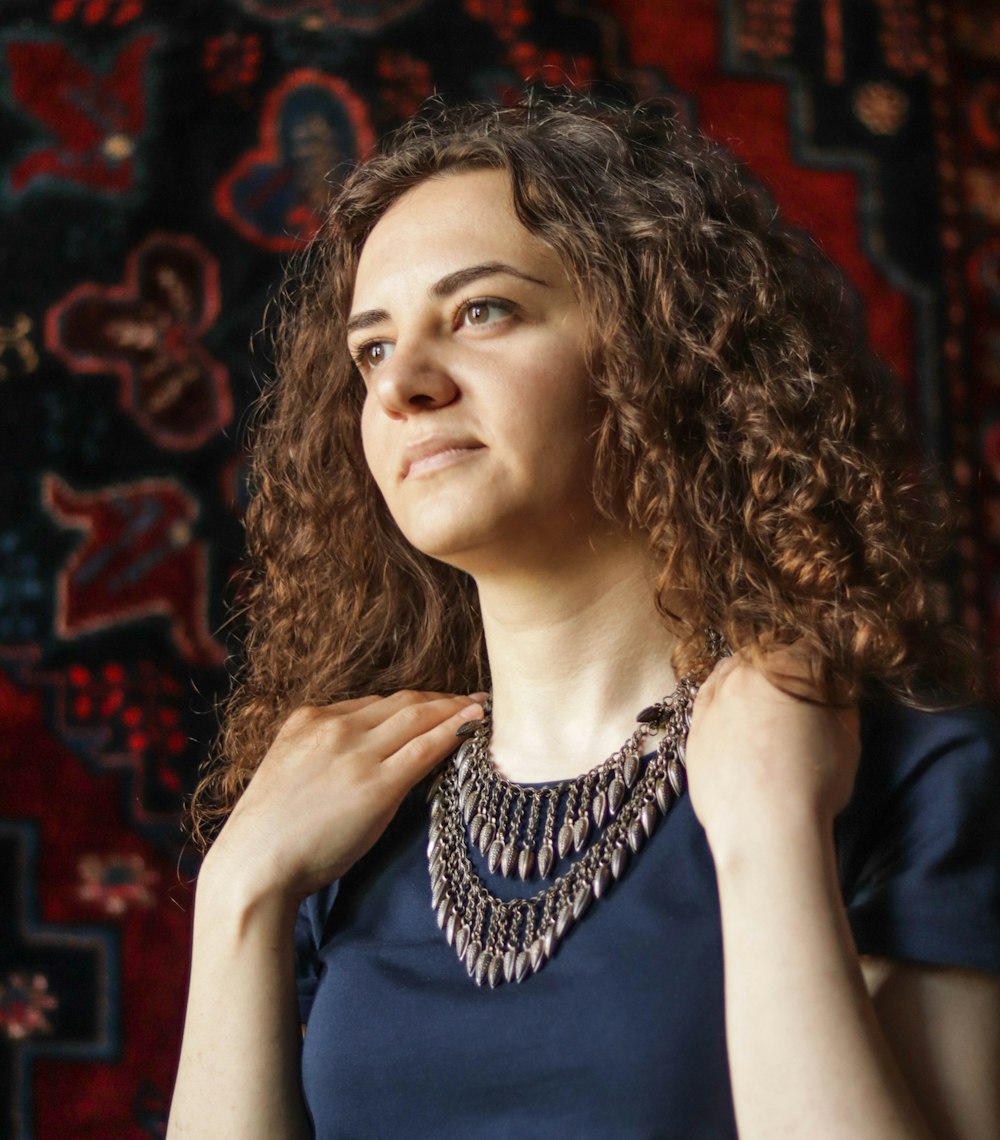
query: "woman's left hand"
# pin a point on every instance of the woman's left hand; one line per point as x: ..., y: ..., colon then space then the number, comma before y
x: 763, y: 760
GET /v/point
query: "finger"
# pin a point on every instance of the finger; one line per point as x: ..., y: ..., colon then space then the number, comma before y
x: 353, y: 704
x: 376, y: 712
x: 722, y: 668
x: 420, y: 753
x: 413, y: 720
x: 795, y: 660
x: 795, y: 671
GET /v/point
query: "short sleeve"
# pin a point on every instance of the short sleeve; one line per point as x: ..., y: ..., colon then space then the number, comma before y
x: 310, y: 924
x: 919, y: 843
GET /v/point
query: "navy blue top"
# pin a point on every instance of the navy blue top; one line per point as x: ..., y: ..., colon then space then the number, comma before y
x: 622, y: 1034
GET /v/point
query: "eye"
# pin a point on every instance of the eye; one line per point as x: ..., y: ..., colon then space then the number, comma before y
x: 371, y: 354
x: 484, y: 311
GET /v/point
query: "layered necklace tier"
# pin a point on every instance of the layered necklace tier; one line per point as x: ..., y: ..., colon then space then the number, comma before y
x: 584, y: 832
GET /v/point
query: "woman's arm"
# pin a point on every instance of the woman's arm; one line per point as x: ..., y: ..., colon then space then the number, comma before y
x: 808, y: 1054
x: 239, y: 1064
x: 322, y: 796
x: 805, y: 1049
x: 943, y: 1026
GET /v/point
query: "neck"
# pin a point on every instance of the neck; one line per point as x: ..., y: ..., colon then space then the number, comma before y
x: 574, y: 655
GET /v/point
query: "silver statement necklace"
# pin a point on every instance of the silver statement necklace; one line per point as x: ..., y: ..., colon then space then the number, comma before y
x: 607, y: 815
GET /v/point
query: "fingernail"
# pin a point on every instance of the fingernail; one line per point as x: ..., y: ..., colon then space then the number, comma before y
x: 478, y: 697
x: 468, y: 727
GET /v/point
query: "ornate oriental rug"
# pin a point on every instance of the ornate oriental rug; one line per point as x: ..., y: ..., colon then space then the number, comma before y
x: 158, y: 161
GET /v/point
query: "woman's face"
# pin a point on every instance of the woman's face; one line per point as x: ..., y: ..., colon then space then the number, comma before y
x: 478, y: 411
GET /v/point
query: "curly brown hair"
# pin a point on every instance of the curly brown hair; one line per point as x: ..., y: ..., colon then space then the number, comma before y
x: 746, y: 432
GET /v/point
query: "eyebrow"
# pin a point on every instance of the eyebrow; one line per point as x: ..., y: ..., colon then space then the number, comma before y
x: 447, y: 285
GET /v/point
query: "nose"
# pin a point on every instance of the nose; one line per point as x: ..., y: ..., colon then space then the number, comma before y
x: 413, y: 379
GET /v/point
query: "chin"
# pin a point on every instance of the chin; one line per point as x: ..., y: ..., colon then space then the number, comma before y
x: 467, y: 541
x: 447, y: 541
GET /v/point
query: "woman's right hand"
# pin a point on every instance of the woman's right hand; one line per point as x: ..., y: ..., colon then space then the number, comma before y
x: 328, y: 787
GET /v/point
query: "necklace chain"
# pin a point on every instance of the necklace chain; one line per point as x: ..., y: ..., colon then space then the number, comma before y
x: 607, y: 815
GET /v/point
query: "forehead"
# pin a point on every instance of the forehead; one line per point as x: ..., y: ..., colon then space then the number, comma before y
x: 446, y: 223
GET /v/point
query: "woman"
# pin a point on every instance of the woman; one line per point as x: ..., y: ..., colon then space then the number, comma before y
x: 562, y: 414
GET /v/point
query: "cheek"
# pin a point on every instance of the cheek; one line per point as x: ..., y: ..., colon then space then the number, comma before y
x: 563, y: 400
x: 372, y: 445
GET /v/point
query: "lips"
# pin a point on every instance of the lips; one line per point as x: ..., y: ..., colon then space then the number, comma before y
x: 436, y: 451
